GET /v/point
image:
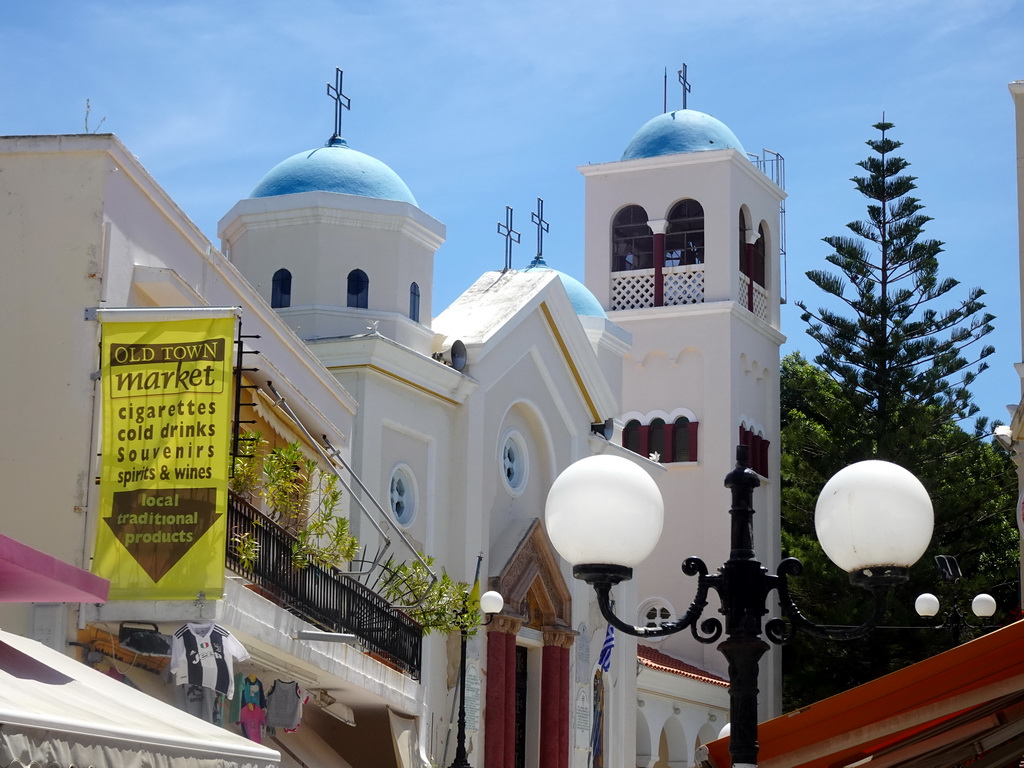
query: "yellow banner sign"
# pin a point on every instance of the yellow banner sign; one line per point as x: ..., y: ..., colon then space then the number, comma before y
x: 167, y: 392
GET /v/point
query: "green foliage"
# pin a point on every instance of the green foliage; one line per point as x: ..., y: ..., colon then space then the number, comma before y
x: 447, y: 606
x: 287, y: 480
x: 325, y: 539
x: 246, y: 548
x: 247, y: 470
x: 972, y: 485
x: 898, y: 350
x: 891, y: 382
x: 287, y: 484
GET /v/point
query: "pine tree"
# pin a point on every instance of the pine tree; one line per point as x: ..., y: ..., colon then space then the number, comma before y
x: 892, y: 381
x: 897, y: 351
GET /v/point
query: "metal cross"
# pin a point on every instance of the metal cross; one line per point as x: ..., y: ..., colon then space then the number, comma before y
x: 542, y: 227
x: 510, y: 235
x: 341, y: 101
x: 683, y: 82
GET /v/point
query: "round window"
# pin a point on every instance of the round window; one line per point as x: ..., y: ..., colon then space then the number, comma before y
x: 514, y: 462
x: 403, y: 495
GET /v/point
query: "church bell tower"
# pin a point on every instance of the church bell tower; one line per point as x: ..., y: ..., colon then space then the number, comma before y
x: 683, y: 238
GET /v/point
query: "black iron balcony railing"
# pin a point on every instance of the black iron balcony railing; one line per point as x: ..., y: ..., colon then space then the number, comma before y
x: 325, y: 597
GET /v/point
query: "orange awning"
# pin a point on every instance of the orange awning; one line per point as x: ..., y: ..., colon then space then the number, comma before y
x: 967, y: 701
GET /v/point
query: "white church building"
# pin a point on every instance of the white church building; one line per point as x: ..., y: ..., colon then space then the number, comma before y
x: 447, y: 426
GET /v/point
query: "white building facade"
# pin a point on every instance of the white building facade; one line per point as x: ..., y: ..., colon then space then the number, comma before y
x: 447, y: 429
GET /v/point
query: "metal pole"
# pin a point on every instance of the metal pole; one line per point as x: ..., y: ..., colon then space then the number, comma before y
x: 461, y: 760
x: 743, y: 603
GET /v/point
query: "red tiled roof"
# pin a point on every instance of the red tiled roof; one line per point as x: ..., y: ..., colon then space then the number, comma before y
x: 653, y: 659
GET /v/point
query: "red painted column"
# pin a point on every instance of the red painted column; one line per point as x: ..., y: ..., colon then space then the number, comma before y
x: 494, y: 720
x: 564, y: 704
x: 510, y: 702
x: 659, y: 269
x: 550, y: 688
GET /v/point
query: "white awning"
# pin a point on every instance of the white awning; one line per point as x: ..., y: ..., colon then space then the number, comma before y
x: 305, y: 748
x: 405, y: 736
x: 55, y: 710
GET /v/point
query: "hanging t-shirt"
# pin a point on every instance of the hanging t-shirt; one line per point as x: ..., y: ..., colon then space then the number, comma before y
x: 252, y: 719
x: 248, y: 690
x: 284, y: 704
x: 203, y: 654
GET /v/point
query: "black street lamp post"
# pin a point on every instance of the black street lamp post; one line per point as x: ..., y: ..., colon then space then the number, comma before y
x: 953, y: 619
x: 490, y: 603
x: 874, y: 519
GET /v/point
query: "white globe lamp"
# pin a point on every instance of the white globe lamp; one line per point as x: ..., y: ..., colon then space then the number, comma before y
x: 874, y: 520
x: 604, y: 515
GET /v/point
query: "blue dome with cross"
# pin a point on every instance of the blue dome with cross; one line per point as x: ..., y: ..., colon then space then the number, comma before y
x: 680, y: 131
x: 335, y: 167
x: 582, y: 300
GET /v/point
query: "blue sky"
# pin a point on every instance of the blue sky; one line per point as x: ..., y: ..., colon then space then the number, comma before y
x: 480, y: 105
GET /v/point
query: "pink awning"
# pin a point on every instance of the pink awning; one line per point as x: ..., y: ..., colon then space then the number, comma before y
x: 30, y: 576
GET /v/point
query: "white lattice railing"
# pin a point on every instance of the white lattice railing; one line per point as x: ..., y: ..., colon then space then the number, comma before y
x: 684, y: 285
x: 760, y: 307
x: 635, y: 289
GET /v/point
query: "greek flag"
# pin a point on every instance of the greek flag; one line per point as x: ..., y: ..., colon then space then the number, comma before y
x: 605, y: 659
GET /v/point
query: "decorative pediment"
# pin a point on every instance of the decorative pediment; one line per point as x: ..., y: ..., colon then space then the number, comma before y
x: 532, y: 584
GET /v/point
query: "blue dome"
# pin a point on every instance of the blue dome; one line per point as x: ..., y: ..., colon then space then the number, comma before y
x: 583, y: 301
x: 684, y: 130
x: 334, y: 168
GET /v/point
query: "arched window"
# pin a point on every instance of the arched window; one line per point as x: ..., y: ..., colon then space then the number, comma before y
x: 684, y: 240
x: 281, y: 289
x: 653, y: 613
x: 656, y: 439
x: 358, y: 289
x: 759, y: 254
x: 753, y: 269
x: 681, y: 441
x: 632, y: 240
x: 744, y: 265
x: 414, y: 303
x: 631, y: 436
x: 758, y: 446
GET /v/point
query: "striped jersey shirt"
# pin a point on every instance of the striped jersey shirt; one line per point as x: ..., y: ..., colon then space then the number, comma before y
x: 203, y: 654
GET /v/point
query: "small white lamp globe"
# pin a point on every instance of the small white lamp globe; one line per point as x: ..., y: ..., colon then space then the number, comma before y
x: 926, y: 605
x: 983, y: 606
x: 873, y: 515
x: 604, y: 510
x: 491, y: 602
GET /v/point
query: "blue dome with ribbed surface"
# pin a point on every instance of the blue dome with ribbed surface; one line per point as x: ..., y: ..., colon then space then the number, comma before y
x: 334, y: 168
x: 683, y: 130
x: 583, y: 301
